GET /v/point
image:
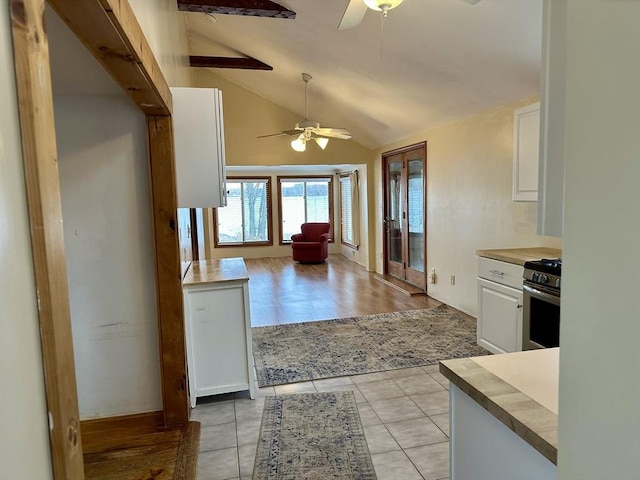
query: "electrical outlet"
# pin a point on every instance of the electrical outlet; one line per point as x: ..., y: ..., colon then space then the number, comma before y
x: 453, y: 280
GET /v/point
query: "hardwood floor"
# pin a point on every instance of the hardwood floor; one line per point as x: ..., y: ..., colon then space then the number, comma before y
x: 138, y: 447
x: 283, y: 291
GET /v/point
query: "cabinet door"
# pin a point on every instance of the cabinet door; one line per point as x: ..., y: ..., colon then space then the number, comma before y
x: 499, y: 317
x: 218, y: 340
x: 526, y: 137
x: 199, y: 146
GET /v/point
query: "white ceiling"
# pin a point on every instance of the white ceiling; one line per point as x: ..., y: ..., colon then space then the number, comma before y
x: 442, y: 60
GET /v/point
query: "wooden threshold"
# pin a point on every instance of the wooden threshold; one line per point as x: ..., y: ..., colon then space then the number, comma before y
x: 138, y: 446
x: 400, y: 285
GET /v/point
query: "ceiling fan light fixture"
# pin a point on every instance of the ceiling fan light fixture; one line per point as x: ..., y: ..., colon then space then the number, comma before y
x: 382, y: 5
x: 299, y: 144
x: 322, y: 142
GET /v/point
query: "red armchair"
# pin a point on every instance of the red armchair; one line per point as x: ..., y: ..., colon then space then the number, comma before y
x: 312, y: 245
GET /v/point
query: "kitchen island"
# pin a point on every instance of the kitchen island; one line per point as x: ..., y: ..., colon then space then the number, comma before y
x: 504, y: 415
x: 218, y: 328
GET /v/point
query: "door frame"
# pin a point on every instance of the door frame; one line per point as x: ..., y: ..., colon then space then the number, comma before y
x: 111, y: 32
x: 385, y: 184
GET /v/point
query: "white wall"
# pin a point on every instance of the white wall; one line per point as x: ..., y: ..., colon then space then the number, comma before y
x: 106, y: 208
x: 24, y: 432
x: 469, y: 205
x: 599, y: 417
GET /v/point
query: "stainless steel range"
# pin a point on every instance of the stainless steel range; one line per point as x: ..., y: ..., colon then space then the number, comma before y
x: 541, y: 295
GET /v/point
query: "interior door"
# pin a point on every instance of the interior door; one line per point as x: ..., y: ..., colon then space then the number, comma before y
x: 404, y: 215
x: 395, y: 215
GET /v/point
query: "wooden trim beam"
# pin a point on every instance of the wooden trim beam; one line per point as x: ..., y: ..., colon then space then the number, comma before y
x: 247, y: 63
x: 168, y: 273
x: 111, y: 32
x: 255, y: 8
x: 35, y: 103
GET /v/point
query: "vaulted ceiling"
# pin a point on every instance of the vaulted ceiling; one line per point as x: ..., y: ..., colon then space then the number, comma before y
x: 434, y: 62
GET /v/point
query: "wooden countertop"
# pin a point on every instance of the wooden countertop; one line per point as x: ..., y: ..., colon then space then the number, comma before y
x: 214, y: 271
x: 520, y: 389
x: 520, y: 255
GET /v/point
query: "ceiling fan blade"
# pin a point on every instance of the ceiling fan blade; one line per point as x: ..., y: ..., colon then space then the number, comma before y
x: 332, y: 132
x: 272, y: 135
x: 353, y: 14
x: 472, y: 2
x: 285, y: 132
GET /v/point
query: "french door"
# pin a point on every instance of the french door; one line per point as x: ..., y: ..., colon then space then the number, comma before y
x: 404, y: 214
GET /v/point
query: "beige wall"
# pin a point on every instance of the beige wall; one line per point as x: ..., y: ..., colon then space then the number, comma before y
x: 24, y: 430
x: 166, y: 31
x: 469, y: 206
x: 248, y: 115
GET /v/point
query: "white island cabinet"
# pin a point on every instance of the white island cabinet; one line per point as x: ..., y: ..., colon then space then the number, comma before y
x: 504, y: 416
x: 218, y: 328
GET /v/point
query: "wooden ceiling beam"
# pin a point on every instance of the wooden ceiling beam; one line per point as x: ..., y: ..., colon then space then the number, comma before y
x: 110, y: 31
x: 255, y: 8
x: 247, y: 63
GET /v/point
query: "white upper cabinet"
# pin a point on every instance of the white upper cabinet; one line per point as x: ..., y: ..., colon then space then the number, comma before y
x: 552, y: 119
x: 526, y: 135
x: 199, y: 145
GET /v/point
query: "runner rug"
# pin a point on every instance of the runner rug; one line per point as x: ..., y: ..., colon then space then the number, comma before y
x: 312, y: 436
x: 350, y: 346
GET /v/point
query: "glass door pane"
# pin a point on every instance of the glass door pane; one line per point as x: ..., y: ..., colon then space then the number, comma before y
x: 396, y: 211
x: 415, y: 214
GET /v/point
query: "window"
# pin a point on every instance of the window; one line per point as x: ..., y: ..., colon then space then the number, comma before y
x: 246, y: 220
x: 348, y: 216
x: 306, y: 199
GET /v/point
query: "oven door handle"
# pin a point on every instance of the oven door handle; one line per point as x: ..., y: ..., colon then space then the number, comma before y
x: 534, y: 292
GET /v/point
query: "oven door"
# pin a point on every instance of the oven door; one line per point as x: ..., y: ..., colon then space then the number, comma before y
x: 541, y: 317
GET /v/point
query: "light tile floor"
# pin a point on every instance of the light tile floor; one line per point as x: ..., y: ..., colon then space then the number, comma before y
x: 404, y: 413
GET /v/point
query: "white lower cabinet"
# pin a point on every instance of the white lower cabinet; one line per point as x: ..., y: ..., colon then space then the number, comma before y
x: 499, y: 317
x: 218, y: 328
x: 499, y: 306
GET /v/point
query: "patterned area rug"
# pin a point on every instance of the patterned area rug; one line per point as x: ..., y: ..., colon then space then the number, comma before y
x: 351, y: 346
x: 312, y: 436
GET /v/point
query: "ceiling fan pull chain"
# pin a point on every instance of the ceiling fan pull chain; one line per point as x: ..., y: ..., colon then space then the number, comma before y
x: 306, y: 108
x: 382, y: 19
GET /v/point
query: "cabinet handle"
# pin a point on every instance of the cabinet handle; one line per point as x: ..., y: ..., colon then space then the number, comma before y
x: 518, y: 306
x: 496, y: 272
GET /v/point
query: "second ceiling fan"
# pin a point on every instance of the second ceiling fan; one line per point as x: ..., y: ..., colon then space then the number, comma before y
x: 308, y: 130
x: 354, y: 13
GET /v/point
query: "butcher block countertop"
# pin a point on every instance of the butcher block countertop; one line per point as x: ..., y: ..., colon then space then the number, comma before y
x: 520, y: 255
x: 520, y: 389
x: 214, y: 271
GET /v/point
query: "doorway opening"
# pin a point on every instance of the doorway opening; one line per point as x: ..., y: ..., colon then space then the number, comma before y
x: 405, y: 220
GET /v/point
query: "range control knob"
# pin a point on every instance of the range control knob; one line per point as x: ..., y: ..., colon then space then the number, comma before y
x: 543, y: 279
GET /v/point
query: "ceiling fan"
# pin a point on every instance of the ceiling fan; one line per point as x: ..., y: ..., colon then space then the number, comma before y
x: 307, y: 130
x: 356, y: 9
